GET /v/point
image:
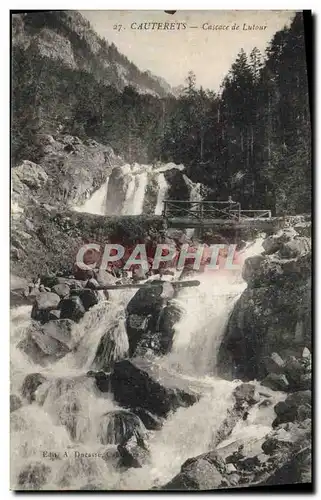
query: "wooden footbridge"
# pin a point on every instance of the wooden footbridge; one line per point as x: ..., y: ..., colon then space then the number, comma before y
x: 214, y: 214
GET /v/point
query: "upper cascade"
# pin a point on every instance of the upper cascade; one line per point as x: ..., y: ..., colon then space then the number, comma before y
x: 138, y: 189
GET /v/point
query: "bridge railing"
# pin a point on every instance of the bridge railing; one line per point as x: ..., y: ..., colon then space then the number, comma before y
x: 255, y: 214
x: 202, y: 209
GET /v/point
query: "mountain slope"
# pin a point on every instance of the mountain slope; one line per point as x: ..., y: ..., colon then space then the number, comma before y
x: 66, y: 36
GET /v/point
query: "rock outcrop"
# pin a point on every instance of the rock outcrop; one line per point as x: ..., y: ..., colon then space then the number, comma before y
x: 151, y: 316
x: 138, y: 382
x: 273, y: 315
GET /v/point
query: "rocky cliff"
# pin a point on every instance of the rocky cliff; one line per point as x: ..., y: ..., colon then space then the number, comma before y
x: 67, y: 37
x: 274, y: 312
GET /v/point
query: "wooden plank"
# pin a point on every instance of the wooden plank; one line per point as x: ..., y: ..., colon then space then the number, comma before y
x: 149, y: 284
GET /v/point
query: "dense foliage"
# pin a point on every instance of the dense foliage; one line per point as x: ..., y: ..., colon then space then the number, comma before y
x: 252, y: 140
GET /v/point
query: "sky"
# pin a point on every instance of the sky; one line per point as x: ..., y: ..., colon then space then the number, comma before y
x: 171, y: 54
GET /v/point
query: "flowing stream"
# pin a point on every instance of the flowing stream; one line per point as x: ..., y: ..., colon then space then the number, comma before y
x: 69, y: 399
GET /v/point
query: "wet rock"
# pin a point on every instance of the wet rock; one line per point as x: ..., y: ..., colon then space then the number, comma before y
x: 61, y: 330
x: 89, y: 298
x: 138, y: 382
x: 111, y: 455
x: 137, y: 327
x: 102, y: 380
x: 168, y: 318
x: 118, y: 427
x: 306, y: 353
x: 34, y: 476
x: 112, y: 347
x: 62, y: 289
x: 54, y: 314
x: 133, y: 453
x: 246, y: 393
x: 72, y: 308
x: 289, y: 451
x: 296, y: 406
x: 49, y: 346
x: 40, y: 346
x: 151, y: 422
x: 200, y: 473
x: 44, y: 302
x: 276, y: 382
x: 296, y: 469
x: 279, y: 440
x: 147, y: 301
x: 153, y: 332
x: 15, y: 402
x: 31, y: 384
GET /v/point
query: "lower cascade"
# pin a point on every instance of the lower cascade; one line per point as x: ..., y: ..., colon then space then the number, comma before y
x: 69, y: 431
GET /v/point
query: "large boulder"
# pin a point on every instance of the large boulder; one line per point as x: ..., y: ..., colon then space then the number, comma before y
x: 147, y: 300
x: 266, y: 320
x: 89, y: 298
x: 276, y: 382
x: 297, y: 406
x: 152, y: 331
x: 47, y: 344
x: 72, y: 308
x: 134, y: 453
x: 117, y: 427
x: 44, y: 303
x: 28, y: 174
x: 204, y: 472
x: 102, y: 380
x: 289, y: 451
x: 138, y: 382
x: 151, y: 422
x: 112, y: 347
x: 273, y: 243
x: 62, y: 330
x: 295, y: 248
x: 31, y: 384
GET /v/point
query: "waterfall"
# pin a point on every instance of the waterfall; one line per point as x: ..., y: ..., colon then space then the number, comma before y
x: 162, y: 191
x: 96, y: 204
x: 68, y: 412
x: 124, y: 191
x: 135, y: 194
x: 199, y: 333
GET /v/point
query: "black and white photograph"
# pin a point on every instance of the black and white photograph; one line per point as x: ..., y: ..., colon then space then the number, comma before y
x: 161, y: 250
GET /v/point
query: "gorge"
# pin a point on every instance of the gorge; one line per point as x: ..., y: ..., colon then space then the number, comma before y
x: 75, y: 425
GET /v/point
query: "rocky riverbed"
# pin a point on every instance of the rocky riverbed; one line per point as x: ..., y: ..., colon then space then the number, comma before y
x: 101, y: 398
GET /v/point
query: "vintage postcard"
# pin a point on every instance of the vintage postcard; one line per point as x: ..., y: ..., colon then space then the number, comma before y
x: 160, y: 250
